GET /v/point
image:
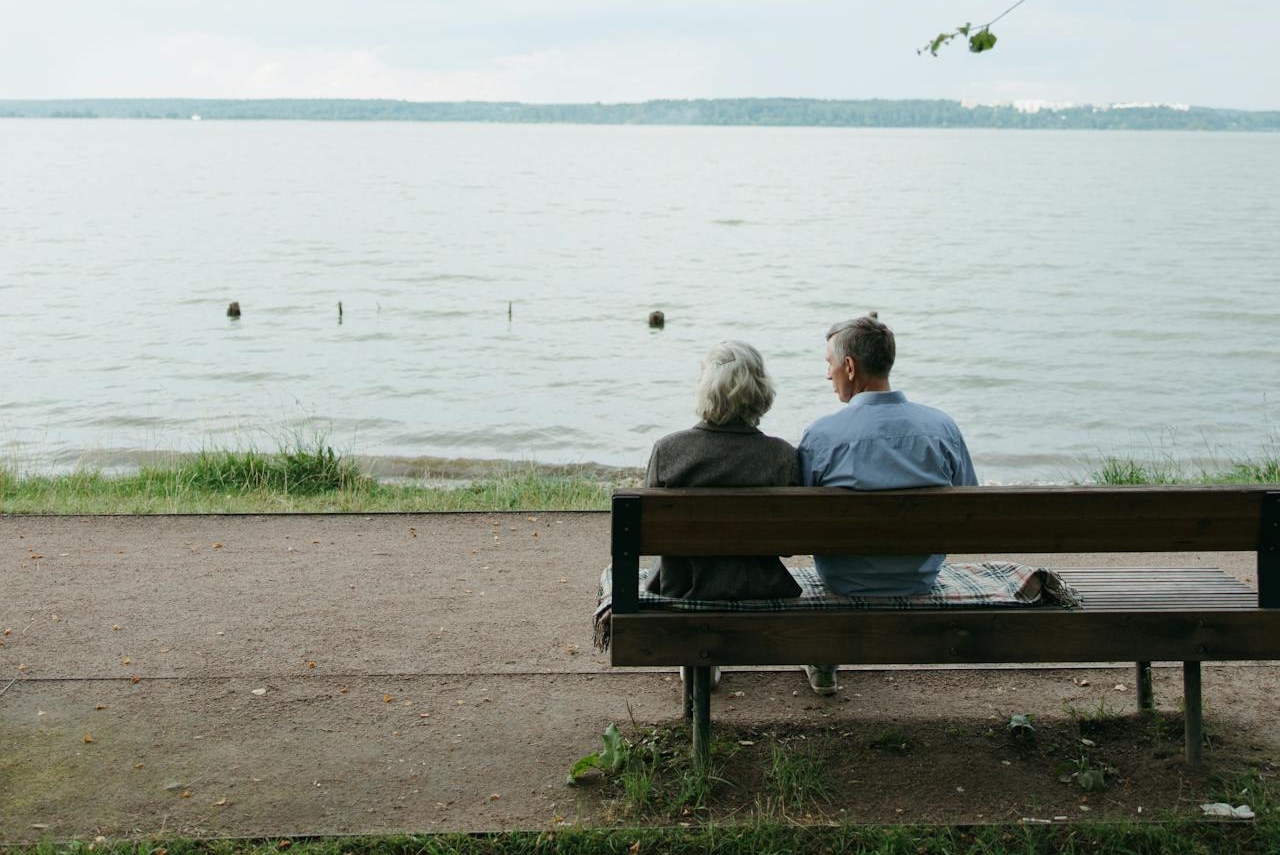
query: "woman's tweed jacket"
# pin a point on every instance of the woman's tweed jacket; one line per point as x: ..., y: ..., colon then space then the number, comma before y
x: 729, y: 455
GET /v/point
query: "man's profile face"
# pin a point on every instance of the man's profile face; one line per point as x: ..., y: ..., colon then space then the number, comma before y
x: 838, y: 372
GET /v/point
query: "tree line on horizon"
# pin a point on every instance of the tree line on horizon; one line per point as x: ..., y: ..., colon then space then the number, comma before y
x: 775, y: 112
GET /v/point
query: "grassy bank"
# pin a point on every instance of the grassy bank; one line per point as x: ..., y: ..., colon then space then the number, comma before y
x: 294, y: 479
x: 1179, y: 838
x: 1129, y: 470
x: 315, y: 478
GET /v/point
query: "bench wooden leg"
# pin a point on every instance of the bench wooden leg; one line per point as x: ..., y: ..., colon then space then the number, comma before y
x: 1146, y: 692
x: 1194, y: 732
x: 701, y: 715
x: 686, y: 693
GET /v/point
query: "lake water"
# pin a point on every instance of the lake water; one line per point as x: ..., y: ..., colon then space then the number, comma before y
x: 1064, y: 295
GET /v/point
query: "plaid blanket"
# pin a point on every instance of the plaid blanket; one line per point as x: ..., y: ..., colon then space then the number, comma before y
x: 981, y: 585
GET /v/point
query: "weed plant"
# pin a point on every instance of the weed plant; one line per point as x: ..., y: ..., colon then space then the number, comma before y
x: 798, y: 779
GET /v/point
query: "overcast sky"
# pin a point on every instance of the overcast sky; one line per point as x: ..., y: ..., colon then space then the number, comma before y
x: 1203, y: 52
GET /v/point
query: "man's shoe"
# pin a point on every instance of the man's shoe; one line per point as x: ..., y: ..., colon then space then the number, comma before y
x: 822, y: 678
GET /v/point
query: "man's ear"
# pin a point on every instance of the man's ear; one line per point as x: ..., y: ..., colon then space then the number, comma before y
x: 850, y: 367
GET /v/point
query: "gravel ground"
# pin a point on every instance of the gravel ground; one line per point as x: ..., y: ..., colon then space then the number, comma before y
x: 306, y: 674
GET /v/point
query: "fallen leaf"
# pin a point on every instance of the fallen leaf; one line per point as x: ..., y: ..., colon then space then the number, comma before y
x: 311, y: 664
x: 88, y: 738
x: 259, y: 692
x: 36, y: 555
x: 185, y: 794
x: 40, y: 826
x: 284, y: 844
x: 386, y: 698
x: 217, y: 545
x: 424, y: 715
x: 1121, y: 687
x: 135, y: 679
x: 100, y: 707
x: 22, y: 666
x: 126, y: 661
x: 493, y: 797
x: 342, y: 690
x: 220, y: 803
x: 138, y: 765
x: 535, y: 534
x: 562, y: 580
x: 115, y: 626
x: 9, y: 632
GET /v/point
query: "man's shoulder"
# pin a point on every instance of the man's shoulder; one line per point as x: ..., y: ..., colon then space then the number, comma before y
x: 830, y: 426
x: 924, y: 412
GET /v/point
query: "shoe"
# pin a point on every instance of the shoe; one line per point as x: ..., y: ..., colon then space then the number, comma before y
x: 822, y: 678
x: 715, y: 675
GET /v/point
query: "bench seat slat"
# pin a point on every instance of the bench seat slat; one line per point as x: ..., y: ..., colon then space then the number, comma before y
x: 940, y: 637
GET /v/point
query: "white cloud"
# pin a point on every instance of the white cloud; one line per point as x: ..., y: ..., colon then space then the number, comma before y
x: 628, y: 50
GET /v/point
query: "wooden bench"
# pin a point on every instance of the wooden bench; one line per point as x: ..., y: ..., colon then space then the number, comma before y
x: 1130, y: 615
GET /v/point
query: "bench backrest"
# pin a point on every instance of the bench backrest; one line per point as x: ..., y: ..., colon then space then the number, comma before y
x: 807, y: 520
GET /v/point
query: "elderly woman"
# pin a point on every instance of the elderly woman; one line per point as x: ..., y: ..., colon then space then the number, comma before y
x: 725, y: 449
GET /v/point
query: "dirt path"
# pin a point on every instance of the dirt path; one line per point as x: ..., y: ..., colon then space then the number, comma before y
x: 272, y: 675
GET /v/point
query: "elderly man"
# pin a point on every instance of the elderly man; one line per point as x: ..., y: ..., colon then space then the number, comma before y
x: 878, y: 441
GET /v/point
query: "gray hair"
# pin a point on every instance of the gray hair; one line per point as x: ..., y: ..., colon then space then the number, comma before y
x: 733, y: 385
x: 868, y: 341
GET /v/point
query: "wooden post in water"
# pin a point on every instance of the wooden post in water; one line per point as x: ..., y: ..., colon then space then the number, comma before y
x: 233, y: 311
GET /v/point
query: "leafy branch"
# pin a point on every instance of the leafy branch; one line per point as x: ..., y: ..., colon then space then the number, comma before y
x: 980, y: 39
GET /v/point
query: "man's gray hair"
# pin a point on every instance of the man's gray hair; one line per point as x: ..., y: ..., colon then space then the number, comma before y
x: 733, y: 385
x: 868, y: 341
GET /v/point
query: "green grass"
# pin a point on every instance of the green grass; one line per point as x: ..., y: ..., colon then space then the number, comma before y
x: 1129, y: 470
x: 797, y: 778
x: 310, y: 476
x: 297, y: 478
x: 753, y: 838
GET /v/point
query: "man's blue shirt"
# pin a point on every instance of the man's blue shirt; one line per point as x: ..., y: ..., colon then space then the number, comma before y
x: 882, y: 441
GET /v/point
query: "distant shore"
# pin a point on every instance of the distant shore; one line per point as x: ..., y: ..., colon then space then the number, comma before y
x: 769, y: 112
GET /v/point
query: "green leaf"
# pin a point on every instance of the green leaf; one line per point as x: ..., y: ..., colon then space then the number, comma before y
x: 964, y: 31
x: 938, y: 42
x: 583, y: 766
x: 1020, y: 725
x: 615, y: 749
x: 1092, y: 779
x: 982, y: 40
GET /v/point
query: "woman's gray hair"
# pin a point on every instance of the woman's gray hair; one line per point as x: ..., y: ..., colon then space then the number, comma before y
x: 733, y: 385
